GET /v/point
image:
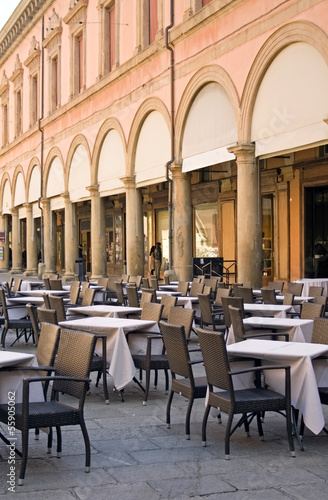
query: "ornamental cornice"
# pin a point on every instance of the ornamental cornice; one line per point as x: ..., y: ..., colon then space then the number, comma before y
x: 26, y: 12
x: 76, y: 14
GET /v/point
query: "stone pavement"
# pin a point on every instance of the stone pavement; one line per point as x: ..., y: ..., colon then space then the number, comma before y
x: 135, y: 457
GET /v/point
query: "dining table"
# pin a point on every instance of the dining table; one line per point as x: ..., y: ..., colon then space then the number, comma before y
x: 300, y: 330
x: 275, y: 310
x: 109, y: 311
x: 307, y: 282
x: 11, y: 382
x: 189, y: 303
x: 39, y: 293
x: 118, y: 350
x: 307, y: 372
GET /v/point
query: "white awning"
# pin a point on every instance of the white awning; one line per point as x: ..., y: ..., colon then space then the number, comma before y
x: 207, y: 159
x: 292, y: 102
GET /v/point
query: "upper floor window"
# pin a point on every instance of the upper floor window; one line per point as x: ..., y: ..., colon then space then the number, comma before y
x: 110, y: 22
x: 76, y: 19
x: 193, y: 6
x: 4, y: 95
x: 18, y: 113
x: 33, y: 64
x: 149, y: 22
x: 5, y: 135
x: 17, y: 79
x: 53, y: 45
x: 153, y: 20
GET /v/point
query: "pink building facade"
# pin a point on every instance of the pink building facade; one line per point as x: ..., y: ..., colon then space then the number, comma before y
x: 199, y: 124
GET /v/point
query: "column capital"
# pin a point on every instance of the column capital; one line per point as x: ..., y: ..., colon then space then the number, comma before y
x: 45, y: 202
x: 129, y: 181
x: 243, y: 151
x: 28, y: 207
x: 14, y: 211
x: 65, y: 196
x: 94, y: 189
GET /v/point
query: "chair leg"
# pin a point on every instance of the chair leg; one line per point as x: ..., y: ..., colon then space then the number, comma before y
x: 205, y: 417
x: 146, y: 388
x: 24, y: 456
x: 59, y: 441
x: 87, y: 446
x: 190, y: 404
x: 227, y: 437
x: 3, y: 336
x: 168, y: 410
x: 166, y: 381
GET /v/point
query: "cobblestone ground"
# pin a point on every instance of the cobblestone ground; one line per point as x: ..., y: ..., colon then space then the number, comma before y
x: 134, y: 455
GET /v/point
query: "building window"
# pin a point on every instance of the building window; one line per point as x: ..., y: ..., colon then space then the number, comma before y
x: 5, y: 124
x: 53, y: 44
x: 205, y: 2
x: 54, y: 83
x: 78, y: 64
x: 206, y: 230
x: 76, y: 19
x: 150, y: 15
x: 34, y: 99
x: 110, y: 22
x: 153, y: 20
x: 18, y: 113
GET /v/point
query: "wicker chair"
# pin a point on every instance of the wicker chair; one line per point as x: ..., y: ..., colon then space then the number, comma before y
x: 145, y: 283
x: 22, y: 326
x: 32, y: 314
x: 74, y: 292
x: 183, y: 287
x: 152, y: 291
x: 47, y: 315
x: 154, y: 282
x: 288, y: 299
x: 195, y: 289
x: 295, y: 288
x: 88, y: 297
x: 145, y: 297
x: 57, y: 303
x: 56, y: 284
x: 121, y: 298
x: 184, y: 317
x: 319, y: 336
x: 71, y: 377
x: 314, y: 291
x: 276, y: 285
x: 183, y: 380
x: 231, y: 301
x: 245, y: 402
x: 16, y: 286
x: 210, y: 317
x: 240, y: 333
x: 322, y: 299
x: 246, y: 293
x: 269, y: 295
x: 46, y: 300
x: 168, y: 301
x: 46, y: 283
x: 311, y: 310
x: 132, y: 295
x: 149, y: 361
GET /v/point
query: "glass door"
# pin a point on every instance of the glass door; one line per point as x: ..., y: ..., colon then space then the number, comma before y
x: 316, y: 232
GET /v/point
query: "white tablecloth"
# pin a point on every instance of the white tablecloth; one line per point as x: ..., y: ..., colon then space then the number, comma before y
x: 105, y: 311
x: 313, y: 282
x: 189, y: 303
x: 300, y: 330
x: 12, y: 381
x: 298, y: 356
x: 118, y: 351
x: 275, y: 310
x: 39, y: 293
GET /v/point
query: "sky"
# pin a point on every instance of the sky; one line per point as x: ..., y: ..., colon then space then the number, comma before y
x: 7, y: 7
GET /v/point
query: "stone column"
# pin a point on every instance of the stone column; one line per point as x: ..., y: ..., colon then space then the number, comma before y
x: 16, y: 243
x: 31, y: 243
x: 134, y: 228
x: 98, y: 234
x: 49, y: 237
x: 249, y: 217
x: 71, y: 237
x: 182, y: 224
x: 4, y: 263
